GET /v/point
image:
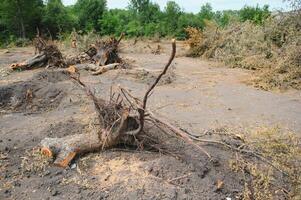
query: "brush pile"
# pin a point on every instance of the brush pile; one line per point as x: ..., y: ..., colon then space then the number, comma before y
x: 271, y: 50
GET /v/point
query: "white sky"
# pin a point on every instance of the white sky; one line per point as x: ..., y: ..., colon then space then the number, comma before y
x: 195, y: 5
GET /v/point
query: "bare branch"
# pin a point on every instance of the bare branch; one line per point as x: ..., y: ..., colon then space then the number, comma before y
x: 142, y: 110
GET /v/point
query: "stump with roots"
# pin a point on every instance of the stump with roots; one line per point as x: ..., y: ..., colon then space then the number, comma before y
x: 122, y: 120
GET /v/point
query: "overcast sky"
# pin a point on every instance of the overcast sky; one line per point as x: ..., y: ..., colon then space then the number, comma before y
x: 194, y: 5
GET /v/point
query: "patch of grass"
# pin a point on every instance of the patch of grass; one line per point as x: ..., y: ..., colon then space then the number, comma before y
x: 83, y: 40
x: 260, y: 179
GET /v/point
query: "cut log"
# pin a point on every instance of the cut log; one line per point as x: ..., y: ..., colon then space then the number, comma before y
x: 37, y: 61
x: 92, y: 67
x: 87, y: 66
x: 65, y: 149
x: 106, y: 68
x: 50, y: 56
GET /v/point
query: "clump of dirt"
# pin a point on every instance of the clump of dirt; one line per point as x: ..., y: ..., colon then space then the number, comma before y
x: 62, y: 129
x: 40, y: 93
x: 149, y: 77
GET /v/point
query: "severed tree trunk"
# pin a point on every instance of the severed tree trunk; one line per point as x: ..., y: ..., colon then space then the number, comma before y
x: 106, y: 68
x: 103, y: 54
x: 65, y: 149
x: 50, y: 56
x: 38, y: 60
x: 96, y: 70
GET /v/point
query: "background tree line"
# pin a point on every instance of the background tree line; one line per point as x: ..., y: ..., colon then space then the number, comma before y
x: 21, y: 18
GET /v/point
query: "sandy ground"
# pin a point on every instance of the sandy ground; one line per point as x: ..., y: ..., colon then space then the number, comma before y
x: 203, y: 96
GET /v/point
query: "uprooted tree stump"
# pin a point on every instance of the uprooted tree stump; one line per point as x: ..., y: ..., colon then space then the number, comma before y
x: 49, y: 56
x: 122, y: 120
x: 103, y: 57
x: 107, y: 52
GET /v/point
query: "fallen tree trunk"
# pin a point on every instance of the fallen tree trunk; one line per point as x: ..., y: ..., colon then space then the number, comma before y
x: 65, y: 149
x: 50, y: 56
x: 96, y: 70
x: 37, y: 61
x: 101, y: 54
x: 106, y: 68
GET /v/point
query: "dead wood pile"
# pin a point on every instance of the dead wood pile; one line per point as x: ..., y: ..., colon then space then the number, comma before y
x: 99, y: 58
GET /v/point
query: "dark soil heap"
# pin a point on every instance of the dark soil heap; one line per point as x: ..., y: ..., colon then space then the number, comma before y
x: 43, y: 92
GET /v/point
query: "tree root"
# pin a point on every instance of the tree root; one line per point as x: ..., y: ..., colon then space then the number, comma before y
x: 122, y: 120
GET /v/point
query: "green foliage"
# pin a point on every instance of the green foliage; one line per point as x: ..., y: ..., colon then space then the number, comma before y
x: 255, y: 14
x: 20, y: 18
x: 56, y: 18
x: 224, y: 18
x: 89, y: 13
x: 206, y: 12
x: 171, y: 17
x: 145, y: 11
x: 114, y: 21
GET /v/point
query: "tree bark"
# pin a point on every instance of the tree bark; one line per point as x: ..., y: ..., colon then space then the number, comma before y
x: 65, y: 149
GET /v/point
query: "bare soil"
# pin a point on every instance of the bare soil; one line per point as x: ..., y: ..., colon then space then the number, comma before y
x: 203, y: 97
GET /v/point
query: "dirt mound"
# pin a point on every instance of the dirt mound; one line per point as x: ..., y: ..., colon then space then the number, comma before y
x: 149, y: 77
x: 40, y: 93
